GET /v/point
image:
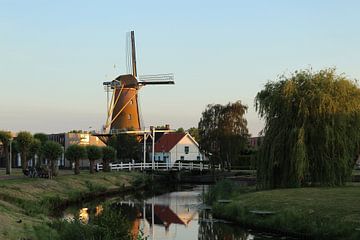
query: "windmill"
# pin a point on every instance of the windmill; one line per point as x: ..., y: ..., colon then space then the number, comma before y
x: 123, y: 109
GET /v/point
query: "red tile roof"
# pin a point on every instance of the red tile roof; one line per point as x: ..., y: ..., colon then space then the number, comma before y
x: 166, y: 215
x: 168, y: 141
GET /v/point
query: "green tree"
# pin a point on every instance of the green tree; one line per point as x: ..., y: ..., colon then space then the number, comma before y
x: 74, y: 153
x: 312, y: 125
x: 41, y: 136
x: 52, y: 151
x: 180, y: 130
x: 24, y: 140
x: 93, y: 153
x: 126, y: 146
x: 35, y: 149
x: 108, y: 156
x: 223, y: 132
x: 194, y: 132
x: 5, y: 138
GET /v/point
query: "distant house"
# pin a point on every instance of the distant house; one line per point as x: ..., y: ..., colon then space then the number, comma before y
x: 255, y: 142
x: 172, y: 147
x: 67, y: 139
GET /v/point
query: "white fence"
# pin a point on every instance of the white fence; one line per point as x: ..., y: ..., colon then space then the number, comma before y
x: 158, y: 166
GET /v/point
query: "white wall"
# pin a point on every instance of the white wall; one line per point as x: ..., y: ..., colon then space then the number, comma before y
x: 159, y: 156
x: 179, y: 150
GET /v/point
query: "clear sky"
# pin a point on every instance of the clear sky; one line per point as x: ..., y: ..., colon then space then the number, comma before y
x: 54, y: 55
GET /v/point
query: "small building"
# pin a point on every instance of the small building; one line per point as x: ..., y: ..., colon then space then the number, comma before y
x: 255, y: 142
x: 71, y: 138
x: 172, y: 147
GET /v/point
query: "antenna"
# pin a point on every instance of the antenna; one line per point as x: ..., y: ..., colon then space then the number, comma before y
x: 133, y: 54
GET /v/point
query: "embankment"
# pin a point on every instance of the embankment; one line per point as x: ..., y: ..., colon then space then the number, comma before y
x: 309, y: 213
x: 27, y: 203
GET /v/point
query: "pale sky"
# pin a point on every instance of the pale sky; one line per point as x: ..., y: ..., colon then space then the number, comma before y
x: 54, y: 55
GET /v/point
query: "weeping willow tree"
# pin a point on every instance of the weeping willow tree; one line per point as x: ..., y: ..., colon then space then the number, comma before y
x: 312, y: 129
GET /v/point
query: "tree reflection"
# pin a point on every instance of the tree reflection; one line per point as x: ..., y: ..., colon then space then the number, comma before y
x: 212, y: 230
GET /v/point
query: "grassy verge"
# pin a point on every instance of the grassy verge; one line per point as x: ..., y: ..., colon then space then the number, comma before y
x: 318, y: 213
x: 26, y: 203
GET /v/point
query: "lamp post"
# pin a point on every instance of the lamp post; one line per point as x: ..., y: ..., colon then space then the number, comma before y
x: 144, y: 150
x: 62, y: 161
x: 8, y: 171
x: 153, y: 147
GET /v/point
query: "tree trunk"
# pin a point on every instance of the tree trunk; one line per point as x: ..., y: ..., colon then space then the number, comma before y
x: 77, y: 167
x: 8, y: 160
x: 14, y: 158
x: 51, y: 168
x: 228, y: 162
x: 23, y: 161
x: 39, y: 161
x: 92, y: 162
x: 54, y: 168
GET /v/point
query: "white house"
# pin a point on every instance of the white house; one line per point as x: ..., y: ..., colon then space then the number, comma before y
x: 172, y: 147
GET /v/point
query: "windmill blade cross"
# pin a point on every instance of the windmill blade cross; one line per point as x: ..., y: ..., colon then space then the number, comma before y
x: 156, y: 79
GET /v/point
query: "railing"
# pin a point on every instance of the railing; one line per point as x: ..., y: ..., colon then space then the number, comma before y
x: 158, y: 166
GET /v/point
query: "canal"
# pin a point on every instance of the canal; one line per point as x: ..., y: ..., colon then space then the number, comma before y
x: 178, y: 214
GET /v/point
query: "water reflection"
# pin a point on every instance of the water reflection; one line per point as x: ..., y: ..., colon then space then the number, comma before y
x: 98, y: 210
x: 175, y: 215
x: 84, y: 215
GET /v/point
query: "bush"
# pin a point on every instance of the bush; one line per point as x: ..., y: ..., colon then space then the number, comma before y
x: 93, y: 187
x: 218, y: 191
x: 224, y: 189
x: 109, y: 225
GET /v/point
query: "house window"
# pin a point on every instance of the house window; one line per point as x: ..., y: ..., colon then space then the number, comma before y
x: 186, y: 149
x: 182, y: 158
x: 198, y: 158
x: 129, y: 117
x: 159, y: 158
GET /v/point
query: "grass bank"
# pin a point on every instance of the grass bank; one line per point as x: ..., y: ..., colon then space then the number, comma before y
x: 27, y: 203
x: 318, y: 213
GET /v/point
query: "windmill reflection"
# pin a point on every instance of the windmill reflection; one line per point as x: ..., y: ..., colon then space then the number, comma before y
x: 154, y: 215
